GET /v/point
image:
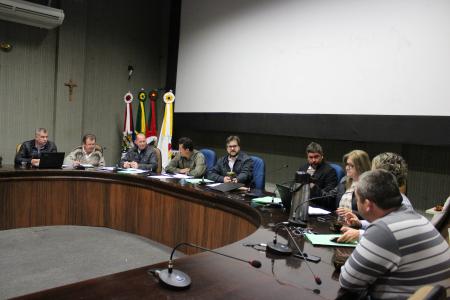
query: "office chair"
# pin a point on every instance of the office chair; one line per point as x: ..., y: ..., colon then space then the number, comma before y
x: 339, y: 171
x: 210, y: 158
x: 259, y: 173
x: 18, y: 146
x: 429, y: 292
x: 158, y: 159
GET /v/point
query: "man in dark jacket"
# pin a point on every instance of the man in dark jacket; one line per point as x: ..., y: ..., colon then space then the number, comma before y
x: 30, y: 151
x: 142, y: 156
x: 323, y: 175
x: 237, y: 166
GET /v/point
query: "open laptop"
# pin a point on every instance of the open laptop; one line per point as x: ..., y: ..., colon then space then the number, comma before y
x: 285, y: 195
x: 51, y: 160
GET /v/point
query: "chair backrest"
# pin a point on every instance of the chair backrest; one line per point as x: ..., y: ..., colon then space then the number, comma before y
x: 158, y: 159
x: 339, y: 171
x: 18, y: 146
x: 259, y: 173
x: 210, y: 158
x: 429, y: 292
x: 440, y: 220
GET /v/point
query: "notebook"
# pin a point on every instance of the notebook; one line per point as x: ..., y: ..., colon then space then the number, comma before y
x: 51, y: 160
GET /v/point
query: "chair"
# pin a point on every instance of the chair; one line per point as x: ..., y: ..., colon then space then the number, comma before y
x: 210, y: 158
x: 18, y: 146
x: 158, y: 159
x: 339, y: 171
x: 259, y: 173
x: 429, y: 292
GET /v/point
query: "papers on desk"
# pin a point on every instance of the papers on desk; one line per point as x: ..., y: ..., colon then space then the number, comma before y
x: 131, y: 171
x: 198, y: 180
x: 214, y: 184
x: 162, y: 176
x: 266, y: 200
x: 314, y: 211
x: 87, y: 165
x: 324, y: 240
x: 178, y: 175
x: 107, y: 168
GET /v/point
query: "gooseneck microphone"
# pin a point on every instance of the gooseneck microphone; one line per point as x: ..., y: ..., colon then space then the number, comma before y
x: 178, y: 280
x: 278, y: 248
x: 303, y: 255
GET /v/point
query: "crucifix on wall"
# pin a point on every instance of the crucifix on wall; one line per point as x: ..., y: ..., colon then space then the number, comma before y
x: 71, y: 85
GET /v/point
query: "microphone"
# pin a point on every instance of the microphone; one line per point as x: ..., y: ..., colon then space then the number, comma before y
x: 303, y: 255
x: 178, y: 280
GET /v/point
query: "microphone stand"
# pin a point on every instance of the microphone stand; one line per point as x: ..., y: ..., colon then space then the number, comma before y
x: 178, y: 280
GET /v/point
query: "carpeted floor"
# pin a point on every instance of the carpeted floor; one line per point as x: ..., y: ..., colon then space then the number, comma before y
x: 37, y: 258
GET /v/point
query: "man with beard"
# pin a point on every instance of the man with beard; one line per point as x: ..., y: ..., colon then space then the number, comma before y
x: 237, y: 166
x: 323, y: 175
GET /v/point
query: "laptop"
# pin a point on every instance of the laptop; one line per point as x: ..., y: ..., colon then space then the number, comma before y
x: 51, y: 160
x: 285, y: 195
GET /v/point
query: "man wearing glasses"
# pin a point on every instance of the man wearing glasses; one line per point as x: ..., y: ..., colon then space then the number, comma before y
x: 237, y: 166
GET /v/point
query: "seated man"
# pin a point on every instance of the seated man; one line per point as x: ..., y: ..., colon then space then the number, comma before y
x: 30, y: 151
x: 323, y: 175
x: 142, y: 156
x: 86, y: 153
x: 394, y: 164
x: 188, y: 160
x: 235, y: 167
x: 400, y: 250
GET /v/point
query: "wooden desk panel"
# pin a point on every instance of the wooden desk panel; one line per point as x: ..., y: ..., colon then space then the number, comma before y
x: 167, y: 212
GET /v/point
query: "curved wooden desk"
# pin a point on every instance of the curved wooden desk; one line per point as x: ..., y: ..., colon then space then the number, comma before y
x: 167, y: 212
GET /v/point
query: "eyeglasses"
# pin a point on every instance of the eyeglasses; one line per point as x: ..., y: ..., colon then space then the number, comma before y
x: 350, y: 166
x: 232, y: 146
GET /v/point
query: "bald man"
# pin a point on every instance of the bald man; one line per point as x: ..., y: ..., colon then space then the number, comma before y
x: 141, y: 156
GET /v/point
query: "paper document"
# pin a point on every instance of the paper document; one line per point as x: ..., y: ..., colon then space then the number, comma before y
x: 317, y: 211
x: 213, y: 184
x: 266, y: 200
x: 325, y: 240
x: 131, y: 171
x: 198, y: 180
x: 162, y: 176
x: 178, y: 175
x: 107, y: 168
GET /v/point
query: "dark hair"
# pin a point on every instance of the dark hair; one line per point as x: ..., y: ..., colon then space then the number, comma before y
x: 393, y: 163
x: 187, y: 143
x: 313, y: 147
x: 89, y: 136
x: 380, y: 187
x: 233, y: 138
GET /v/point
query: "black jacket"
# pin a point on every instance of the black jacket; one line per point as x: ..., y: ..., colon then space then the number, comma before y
x: 325, y: 178
x: 28, y: 151
x: 146, y: 159
x: 333, y: 197
x: 243, y: 167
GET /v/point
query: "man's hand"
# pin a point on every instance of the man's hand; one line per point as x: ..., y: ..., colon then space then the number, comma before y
x: 134, y: 165
x: 352, y: 220
x: 35, y: 162
x: 76, y: 163
x: 184, y: 171
x: 127, y: 165
x: 350, y: 235
x: 227, y: 179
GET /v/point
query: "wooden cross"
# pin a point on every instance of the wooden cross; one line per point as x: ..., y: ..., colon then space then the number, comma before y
x: 71, y: 85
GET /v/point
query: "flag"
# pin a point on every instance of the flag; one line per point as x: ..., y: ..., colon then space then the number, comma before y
x: 151, y: 128
x: 141, y: 124
x: 128, y: 131
x: 165, y: 136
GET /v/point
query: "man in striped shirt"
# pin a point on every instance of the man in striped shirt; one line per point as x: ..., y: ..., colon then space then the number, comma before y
x: 400, y: 250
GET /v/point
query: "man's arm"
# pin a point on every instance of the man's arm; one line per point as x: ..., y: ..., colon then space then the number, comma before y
x: 23, y: 155
x: 375, y: 255
x: 101, y: 162
x: 246, y: 173
x: 216, y: 173
x: 330, y: 180
x: 172, y: 167
x: 70, y: 159
x: 150, y: 163
x: 200, y: 166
